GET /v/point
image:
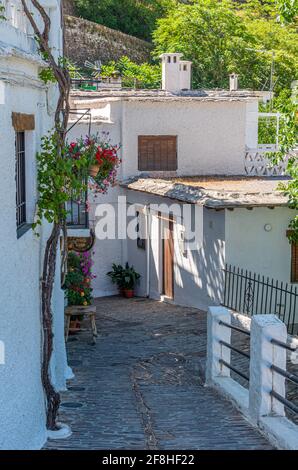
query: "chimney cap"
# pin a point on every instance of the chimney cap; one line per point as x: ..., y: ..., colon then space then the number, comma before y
x: 234, y: 81
x: 171, y: 54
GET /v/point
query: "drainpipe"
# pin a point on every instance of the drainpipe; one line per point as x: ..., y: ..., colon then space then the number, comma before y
x: 148, y: 232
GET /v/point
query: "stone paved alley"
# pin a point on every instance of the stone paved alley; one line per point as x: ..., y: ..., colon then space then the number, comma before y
x: 142, y: 385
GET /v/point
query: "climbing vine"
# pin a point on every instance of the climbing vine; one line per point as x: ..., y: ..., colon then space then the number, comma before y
x: 2, y: 10
x: 51, y: 203
x: 62, y: 175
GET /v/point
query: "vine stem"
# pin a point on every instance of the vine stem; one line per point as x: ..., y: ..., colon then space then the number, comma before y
x: 50, y: 255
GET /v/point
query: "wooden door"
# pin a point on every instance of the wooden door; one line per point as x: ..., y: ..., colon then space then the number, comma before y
x: 168, y: 261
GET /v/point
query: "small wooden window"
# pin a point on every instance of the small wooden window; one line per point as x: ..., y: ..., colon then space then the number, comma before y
x: 157, y: 153
x: 20, y: 179
x: 294, y: 275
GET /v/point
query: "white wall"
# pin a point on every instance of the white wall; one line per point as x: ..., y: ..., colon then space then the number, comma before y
x: 249, y: 246
x: 107, y: 251
x: 22, y: 406
x: 211, y: 135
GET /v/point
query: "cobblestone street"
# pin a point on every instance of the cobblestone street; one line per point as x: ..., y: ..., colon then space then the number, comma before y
x: 142, y: 385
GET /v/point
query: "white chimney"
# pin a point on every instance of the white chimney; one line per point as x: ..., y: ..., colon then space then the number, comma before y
x: 185, y: 74
x: 233, y: 82
x: 171, y: 71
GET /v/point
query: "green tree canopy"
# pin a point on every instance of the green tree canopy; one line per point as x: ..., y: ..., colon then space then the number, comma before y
x: 143, y: 75
x: 223, y: 37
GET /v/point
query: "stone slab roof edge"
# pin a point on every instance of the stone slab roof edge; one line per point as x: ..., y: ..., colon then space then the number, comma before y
x: 160, y: 95
x: 213, y: 199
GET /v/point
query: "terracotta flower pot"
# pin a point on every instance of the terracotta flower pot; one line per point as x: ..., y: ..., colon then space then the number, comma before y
x: 128, y: 293
x: 94, y: 169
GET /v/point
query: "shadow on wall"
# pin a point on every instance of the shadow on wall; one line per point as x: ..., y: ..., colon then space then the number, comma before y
x: 199, y: 275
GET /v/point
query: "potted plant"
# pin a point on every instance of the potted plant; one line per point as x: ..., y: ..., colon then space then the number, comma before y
x: 78, y: 283
x: 116, y: 276
x: 125, y: 277
x: 130, y: 278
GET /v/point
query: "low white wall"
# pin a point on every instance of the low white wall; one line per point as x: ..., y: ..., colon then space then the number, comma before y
x: 257, y: 403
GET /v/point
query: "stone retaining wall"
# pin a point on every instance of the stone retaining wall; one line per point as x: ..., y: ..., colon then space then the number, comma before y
x: 90, y: 41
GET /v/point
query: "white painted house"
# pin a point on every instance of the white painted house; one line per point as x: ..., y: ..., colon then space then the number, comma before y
x: 194, y: 147
x: 26, y: 114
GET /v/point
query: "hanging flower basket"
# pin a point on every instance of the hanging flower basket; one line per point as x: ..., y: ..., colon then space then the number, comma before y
x: 96, y: 157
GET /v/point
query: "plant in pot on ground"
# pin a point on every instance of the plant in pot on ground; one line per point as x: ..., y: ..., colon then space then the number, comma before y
x: 78, y: 282
x: 125, y: 278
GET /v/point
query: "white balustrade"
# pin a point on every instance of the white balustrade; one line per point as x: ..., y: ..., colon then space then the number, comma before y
x: 263, y: 402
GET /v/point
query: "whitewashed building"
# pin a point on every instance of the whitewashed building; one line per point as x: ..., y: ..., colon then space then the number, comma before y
x: 195, y: 147
x: 26, y: 114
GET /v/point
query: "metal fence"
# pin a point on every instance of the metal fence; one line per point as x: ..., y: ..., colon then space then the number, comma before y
x: 251, y: 293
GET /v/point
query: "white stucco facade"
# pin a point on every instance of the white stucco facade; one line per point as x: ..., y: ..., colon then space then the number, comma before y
x: 207, y: 140
x: 213, y: 136
x: 256, y: 240
x: 22, y: 402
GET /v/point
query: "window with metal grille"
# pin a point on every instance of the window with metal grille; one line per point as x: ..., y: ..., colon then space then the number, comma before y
x: 294, y: 275
x: 20, y: 179
x: 157, y: 153
x: 77, y: 215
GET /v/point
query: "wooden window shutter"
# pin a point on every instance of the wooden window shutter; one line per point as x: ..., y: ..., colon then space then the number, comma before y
x: 23, y: 122
x: 157, y: 153
x: 294, y: 275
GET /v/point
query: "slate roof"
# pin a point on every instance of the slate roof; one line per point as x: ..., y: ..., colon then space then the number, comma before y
x: 215, y: 192
x: 160, y: 95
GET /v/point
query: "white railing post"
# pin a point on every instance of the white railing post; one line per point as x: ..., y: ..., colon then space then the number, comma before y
x: 263, y: 354
x: 215, y: 351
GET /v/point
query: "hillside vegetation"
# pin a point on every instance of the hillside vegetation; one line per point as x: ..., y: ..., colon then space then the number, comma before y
x: 251, y: 37
x: 135, y: 17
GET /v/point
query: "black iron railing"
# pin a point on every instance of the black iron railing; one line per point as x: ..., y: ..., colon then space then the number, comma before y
x: 233, y: 348
x: 86, y: 84
x: 250, y: 293
x: 287, y: 375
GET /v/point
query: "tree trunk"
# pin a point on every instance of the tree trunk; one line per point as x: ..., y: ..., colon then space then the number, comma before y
x: 48, y: 278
